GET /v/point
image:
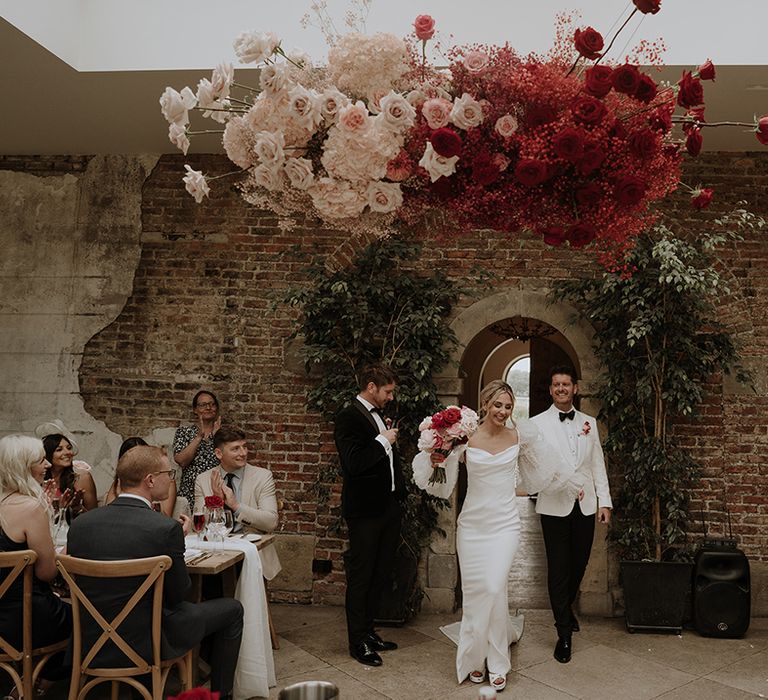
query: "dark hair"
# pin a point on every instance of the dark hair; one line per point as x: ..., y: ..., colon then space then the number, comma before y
x: 564, y: 369
x: 379, y: 374
x: 227, y: 434
x: 50, y: 443
x: 200, y: 393
x: 130, y: 442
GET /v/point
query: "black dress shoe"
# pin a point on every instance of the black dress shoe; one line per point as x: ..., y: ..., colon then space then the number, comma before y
x: 563, y: 650
x: 379, y: 644
x: 575, y: 625
x: 365, y: 654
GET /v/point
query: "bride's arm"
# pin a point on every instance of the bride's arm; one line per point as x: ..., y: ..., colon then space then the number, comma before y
x: 541, y: 466
x: 423, y: 469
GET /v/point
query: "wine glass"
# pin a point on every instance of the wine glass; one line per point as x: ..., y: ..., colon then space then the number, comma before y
x: 216, y: 526
x: 198, y: 523
x: 229, y: 522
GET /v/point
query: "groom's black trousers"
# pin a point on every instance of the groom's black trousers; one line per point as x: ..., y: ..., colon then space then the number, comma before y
x: 372, y: 545
x: 568, y: 541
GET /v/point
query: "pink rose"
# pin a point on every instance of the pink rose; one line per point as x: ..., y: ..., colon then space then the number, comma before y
x: 707, y: 70
x: 437, y: 112
x: 694, y: 142
x: 506, y: 125
x: 424, y: 26
x: 700, y: 198
x: 588, y: 42
x: 761, y: 130
x: 354, y: 117
x: 475, y: 61
x: 648, y: 6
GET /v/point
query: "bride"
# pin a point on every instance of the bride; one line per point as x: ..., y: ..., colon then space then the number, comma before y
x: 500, y: 460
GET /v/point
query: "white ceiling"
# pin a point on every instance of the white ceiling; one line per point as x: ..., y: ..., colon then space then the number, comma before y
x: 127, y: 53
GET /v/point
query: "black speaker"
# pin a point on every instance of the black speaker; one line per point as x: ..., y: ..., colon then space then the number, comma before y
x: 721, y: 591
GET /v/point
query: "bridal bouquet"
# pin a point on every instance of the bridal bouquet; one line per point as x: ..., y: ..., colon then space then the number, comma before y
x: 443, y: 431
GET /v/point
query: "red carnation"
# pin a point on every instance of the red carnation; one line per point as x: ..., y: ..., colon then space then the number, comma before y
x: 691, y: 91
x: 593, y: 158
x: 646, y: 89
x: 446, y: 142
x: 581, y: 234
x: 694, y: 141
x: 629, y: 190
x: 588, y: 110
x: 761, y: 131
x: 485, y: 169
x: 642, y: 143
x: 626, y: 79
x: 553, y: 235
x: 589, y: 195
x: 588, y: 42
x: 707, y: 70
x: 531, y: 172
x: 569, y: 144
x: 648, y: 6
x: 597, y: 80
x: 702, y: 197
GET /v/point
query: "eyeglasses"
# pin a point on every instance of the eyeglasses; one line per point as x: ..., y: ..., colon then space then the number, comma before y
x: 206, y: 404
x: 170, y: 472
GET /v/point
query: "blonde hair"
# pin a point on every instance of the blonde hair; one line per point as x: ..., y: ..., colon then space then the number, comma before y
x: 489, y: 393
x: 18, y: 453
x: 136, y: 463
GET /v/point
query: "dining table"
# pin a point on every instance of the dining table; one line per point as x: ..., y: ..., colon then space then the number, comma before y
x: 255, y: 672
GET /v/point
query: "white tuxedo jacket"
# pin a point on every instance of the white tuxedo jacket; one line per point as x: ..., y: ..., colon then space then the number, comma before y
x: 257, y: 512
x: 590, y: 464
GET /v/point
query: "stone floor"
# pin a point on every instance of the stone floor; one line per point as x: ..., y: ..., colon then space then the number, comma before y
x: 608, y: 662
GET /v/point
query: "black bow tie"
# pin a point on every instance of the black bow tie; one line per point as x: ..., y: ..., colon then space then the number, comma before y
x: 376, y: 409
x: 569, y: 416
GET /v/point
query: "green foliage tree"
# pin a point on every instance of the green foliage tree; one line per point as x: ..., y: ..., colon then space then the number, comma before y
x: 659, y: 340
x: 379, y: 309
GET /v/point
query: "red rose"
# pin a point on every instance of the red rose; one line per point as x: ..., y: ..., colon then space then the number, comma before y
x: 662, y: 118
x: 589, y: 42
x: 629, y: 190
x: 588, y: 110
x: 707, y: 70
x: 648, y: 6
x: 538, y: 115
x: 626, y: 79
x: 597, y: 80
x: 696, y: 114
x: 694, y: 141
x: 643, y: 143
x: 451, y: 415
x: 485, y: 169
x: 593, y: 158
x: 424, y: 27
x: 646, y: 90
x: 446, y: 142
x: 553, y: 235
x: 581, y: 234
x: 691, y: 91
x: 531, y: 172
x: 213, y: 502
x: 702, y: 197
x: 589, y: 195
x: 569, y: 144
x: 761, y: 131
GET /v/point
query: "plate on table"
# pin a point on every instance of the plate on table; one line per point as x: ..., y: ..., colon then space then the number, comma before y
x: 252, y: 537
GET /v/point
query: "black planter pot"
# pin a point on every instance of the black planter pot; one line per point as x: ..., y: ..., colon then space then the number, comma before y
x: 656, y: 594
x: 400, y: 600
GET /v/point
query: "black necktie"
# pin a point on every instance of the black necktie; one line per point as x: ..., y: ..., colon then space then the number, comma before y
x: 569, y: 416
x: 229, y: 478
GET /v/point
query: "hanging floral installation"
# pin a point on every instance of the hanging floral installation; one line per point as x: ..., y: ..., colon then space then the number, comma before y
x: 566, y: 145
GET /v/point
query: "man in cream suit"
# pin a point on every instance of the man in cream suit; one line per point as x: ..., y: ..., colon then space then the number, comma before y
x: 248, y: 491
x: 569, y: 526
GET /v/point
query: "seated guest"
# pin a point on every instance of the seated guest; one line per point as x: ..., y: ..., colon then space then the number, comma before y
x: 25, y: 524
x: 128, y: 528
x: 165, y: 507
x: 248, y: 491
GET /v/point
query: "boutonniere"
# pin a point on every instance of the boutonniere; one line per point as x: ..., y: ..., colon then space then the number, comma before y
x: 587, y: 427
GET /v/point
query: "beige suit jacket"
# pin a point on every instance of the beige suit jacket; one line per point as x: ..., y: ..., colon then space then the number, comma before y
x: 257, y: 512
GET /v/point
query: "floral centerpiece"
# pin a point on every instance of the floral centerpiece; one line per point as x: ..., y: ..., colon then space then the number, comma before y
x: 213, y: 502
x: 443, y: 431
x: 565, y: 144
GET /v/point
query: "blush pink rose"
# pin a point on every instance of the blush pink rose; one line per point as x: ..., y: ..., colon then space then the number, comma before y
x: 475, y: 61
x: 354, y: 117
x: 506, y: 125
x: 424, y: 27
x: 437, y: 112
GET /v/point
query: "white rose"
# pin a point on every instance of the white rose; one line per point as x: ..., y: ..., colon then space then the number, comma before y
x: 269, y: 147
x: 475, y: 61
x: 416, y: 98
x: 177, y: 134
x: 251, y: 47
x: 206, y: 99
x: 304, y: 107
x: 384, y: 197
x: 426, y: 424
x: 506, y: 125
x: 466, y: 112
x: 396, y: 114
x: 436, y: 165
x: 221, y: 80
x: 275, y: 79
x: 299, y: 172
x: 354, y: 118
x: 196, y: 185
x: 331, y: 101
x: 268, y: 176
x: 175, y: 106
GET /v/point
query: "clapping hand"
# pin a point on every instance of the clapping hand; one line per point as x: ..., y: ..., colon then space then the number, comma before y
x: 186, y: 523
x: 223, y: 491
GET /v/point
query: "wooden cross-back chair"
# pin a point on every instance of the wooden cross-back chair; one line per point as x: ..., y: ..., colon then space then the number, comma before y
x: 19, y: 663
x: 153, y: 569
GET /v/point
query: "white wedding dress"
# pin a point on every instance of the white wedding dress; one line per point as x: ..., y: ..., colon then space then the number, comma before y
x: 487, y: 539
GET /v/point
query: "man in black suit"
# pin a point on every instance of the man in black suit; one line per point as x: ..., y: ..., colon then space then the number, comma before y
x: 128, y: 528
x: 370, y: 500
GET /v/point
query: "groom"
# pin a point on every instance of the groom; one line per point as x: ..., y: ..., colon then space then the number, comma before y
x: 569, y: 526
x: 370, y: 501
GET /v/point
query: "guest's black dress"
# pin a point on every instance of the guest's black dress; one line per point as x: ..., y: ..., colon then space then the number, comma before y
x: 51, y: 617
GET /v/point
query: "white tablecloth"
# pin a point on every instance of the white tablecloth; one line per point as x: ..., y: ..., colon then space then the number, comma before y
x: 255, y: 673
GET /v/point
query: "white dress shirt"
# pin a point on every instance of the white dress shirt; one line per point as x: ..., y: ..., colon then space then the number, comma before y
x: 380, y: 438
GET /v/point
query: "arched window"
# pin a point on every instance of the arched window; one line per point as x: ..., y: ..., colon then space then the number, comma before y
x: 518, y: 376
